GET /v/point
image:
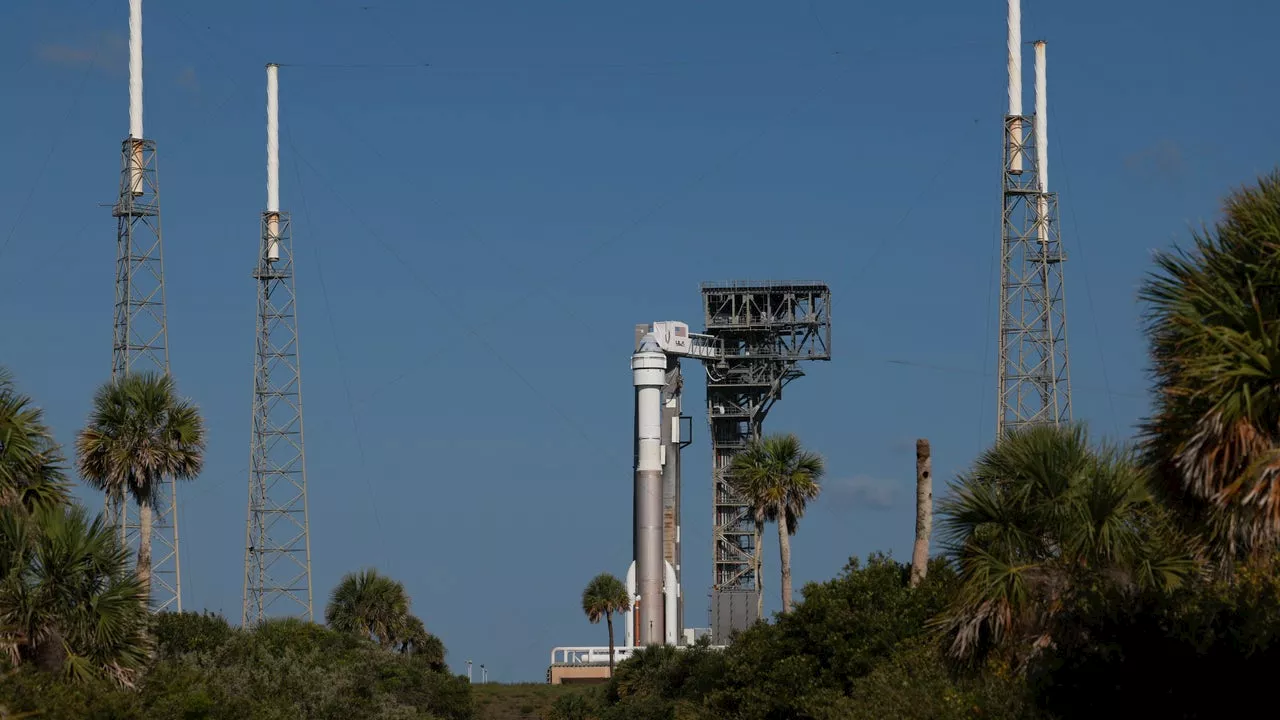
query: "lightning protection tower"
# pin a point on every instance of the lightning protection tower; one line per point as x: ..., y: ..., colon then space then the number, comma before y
x: 140, y: 335
x: 1034, y: 383
x: 766, y: 330
x: 277, y: 556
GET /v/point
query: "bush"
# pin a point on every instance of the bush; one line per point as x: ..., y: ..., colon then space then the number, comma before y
x: 49, y: 697
x: 206, y: 669
x: 806, y: 664
x: 1170, y: 655
x: 918, y: 683
x: 290, y: 668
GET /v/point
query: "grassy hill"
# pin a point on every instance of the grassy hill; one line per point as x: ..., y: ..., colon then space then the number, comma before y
x: 523, y: 701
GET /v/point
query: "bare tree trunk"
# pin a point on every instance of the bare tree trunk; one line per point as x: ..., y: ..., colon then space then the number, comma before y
x: 759, y: 559
x: 144, y: 547
x: 924, y: 511
x: 608, y: 618
x: 784, y: 550
x: 50, y: 653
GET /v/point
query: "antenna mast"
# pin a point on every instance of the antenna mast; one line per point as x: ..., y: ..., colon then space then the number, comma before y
x: 140, y: 337
x: 1034, y: 383
x: 277, y: 556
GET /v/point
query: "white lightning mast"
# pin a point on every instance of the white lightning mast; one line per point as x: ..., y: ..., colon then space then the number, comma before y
x: 1034, y: 383
x: 1042, y: 143
x: 1015, y: 85
x: 277, y: 555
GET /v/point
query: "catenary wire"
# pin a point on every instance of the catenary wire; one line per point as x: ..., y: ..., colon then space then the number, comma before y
x: 53, y: 147
x: 333, y: 329
x: 427, y: 287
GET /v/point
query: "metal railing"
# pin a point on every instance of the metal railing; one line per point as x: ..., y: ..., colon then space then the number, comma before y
x: 599, y: 655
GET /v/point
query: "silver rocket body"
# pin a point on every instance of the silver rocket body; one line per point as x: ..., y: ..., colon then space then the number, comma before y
x: 649, y: 370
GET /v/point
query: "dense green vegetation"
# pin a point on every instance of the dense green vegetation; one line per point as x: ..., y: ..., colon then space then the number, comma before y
x: 203, y: 668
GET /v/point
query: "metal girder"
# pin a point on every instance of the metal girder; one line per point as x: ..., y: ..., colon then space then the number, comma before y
x: 140, y: 343
x: 1034, y: 379
x: 277, y: 559
x: 766, y: 330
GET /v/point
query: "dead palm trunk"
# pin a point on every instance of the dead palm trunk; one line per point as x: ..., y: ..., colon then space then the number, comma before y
x: 144, y: 546
x: 784, y: 550
x: 924, y: 511
x: 608, y: 618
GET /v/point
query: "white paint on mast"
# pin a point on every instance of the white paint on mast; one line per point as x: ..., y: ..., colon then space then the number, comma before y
x: 273, y: 139
x: 1042, y: 144
x: 136, y: 169
x: 273, y: 162
x: 135, y: 69
x: 1042, y: 118
x: 1015, y: 85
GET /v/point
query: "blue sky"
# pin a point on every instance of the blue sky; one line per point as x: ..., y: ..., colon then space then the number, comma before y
x: 477, y: 238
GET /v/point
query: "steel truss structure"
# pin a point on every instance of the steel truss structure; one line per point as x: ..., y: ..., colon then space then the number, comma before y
x: 140, y: 343
x: 277, y: 558
x: 1034, y: 382
x: 766, y: 329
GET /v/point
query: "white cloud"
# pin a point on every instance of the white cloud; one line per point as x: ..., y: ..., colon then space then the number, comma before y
x: 109, y: 53
x: 862, y: 491
x: 188, y: 79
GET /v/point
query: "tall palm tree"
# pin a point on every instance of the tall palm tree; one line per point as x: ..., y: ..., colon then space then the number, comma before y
x: 604, y: 596
x: 140, y: 433
x: 31, y: 472
x: 371, y: 605
x: 749, y: 485
x: 779, y: 478
x: 1041, y: 519
x: 1213, y: 438
x: 69, y: 603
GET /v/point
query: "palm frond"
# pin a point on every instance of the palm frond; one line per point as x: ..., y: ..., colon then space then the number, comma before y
x: 1041, y: 516
x: 605, y: 594
x: 1213, y: 323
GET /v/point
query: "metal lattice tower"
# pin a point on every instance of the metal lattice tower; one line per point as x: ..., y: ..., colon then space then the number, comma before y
x: 277, y: 558
x: 1034, y: 382
x: 140, y: 336
x: 767, y: 329
x: 140, y: 344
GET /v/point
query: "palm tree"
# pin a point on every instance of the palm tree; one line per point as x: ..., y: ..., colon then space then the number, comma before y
x: 415, y: 640
x: 1213, y: 439
x: 604, y: 596
x: 140, y: 434
x: 31, y: 473
x: 69, y: 602
x: 374, y: 606
x: 748, y: 485
x: 1041, y: 520
x: 778, y: 477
